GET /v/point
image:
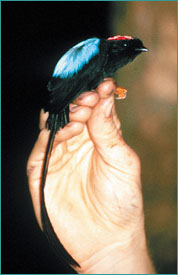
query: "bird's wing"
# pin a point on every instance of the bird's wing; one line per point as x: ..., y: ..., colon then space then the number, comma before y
x: 83, y: 67
x: 75, y: 59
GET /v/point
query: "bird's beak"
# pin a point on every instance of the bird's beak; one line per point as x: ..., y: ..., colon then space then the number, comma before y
x: 143, y: 49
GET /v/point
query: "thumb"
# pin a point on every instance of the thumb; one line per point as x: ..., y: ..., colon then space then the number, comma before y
x: 104, y: 125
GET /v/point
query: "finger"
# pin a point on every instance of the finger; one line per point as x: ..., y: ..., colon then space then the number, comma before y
x: 38, y: 152
x: 105, y: 90
x: 72, y: 129
x: 43, y: 118
x: 103, y: 126
x: 79, y: 113
x: 89, y: 99
x: 78, y: 116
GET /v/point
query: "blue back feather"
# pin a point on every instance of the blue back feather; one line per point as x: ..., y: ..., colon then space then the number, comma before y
x: 75, y: 59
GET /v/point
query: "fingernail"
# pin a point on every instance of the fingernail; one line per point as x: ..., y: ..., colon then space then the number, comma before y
x: 74, y: 108
x: 110, y: 79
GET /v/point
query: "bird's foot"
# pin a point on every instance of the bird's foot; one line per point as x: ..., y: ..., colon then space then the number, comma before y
x: 121, y: 93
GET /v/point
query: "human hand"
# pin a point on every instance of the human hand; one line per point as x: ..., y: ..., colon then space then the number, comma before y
x: 93, y: 187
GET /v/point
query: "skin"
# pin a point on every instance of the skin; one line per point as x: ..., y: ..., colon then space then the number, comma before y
x: 93, y: 188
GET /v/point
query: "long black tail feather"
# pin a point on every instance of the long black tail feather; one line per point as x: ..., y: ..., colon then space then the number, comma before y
x: 57, y: 121
x: 60, y: 119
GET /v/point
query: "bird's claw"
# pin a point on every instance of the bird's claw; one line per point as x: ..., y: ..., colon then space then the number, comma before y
x: 121, y: 93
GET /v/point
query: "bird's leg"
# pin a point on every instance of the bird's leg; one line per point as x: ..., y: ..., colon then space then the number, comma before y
x: 121, y: 93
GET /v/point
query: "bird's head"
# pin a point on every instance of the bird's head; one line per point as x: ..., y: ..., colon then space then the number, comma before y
x: 123, y: 49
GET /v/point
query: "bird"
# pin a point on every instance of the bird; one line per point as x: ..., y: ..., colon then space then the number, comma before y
x: 81, y: 68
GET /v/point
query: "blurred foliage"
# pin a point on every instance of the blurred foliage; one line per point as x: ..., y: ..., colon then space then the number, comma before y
x: 148, y: 116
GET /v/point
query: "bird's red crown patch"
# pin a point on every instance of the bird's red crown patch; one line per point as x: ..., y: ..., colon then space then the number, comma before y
x: 120, y: 37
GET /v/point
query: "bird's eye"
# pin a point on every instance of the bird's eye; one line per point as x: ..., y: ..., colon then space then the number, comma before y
x: 125, y: 45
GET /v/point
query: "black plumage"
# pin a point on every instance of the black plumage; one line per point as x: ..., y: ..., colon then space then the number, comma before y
x: 81, y: 69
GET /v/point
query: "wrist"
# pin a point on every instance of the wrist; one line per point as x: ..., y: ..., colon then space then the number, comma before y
x: 129, y: 258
